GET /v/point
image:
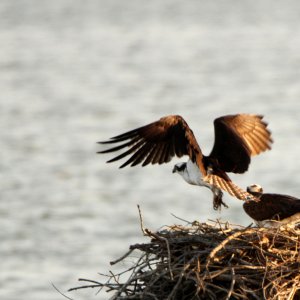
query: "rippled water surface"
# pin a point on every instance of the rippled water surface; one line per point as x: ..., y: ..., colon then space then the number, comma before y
x: 76, y: 72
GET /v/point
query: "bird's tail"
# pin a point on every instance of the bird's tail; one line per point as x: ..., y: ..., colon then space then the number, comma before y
x: 229, y: 187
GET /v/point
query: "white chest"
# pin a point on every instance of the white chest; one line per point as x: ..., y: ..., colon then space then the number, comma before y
x: 192, y: 174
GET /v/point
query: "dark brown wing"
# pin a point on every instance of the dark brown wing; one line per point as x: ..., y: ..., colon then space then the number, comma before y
x: 157, y: 142
x: 237, y: 138
x: 272, y: 207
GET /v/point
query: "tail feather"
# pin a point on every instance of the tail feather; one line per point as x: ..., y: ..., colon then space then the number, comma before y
x: 229, y: 187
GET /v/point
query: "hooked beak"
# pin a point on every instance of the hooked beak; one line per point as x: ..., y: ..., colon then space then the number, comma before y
x: 174, y: 169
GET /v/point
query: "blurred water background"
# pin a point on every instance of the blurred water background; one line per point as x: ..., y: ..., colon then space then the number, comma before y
x: 76, y: 72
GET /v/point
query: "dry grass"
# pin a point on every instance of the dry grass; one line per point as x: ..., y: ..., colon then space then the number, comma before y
x: 210, y: 261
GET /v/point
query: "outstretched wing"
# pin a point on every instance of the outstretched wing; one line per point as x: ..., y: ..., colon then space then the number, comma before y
x: 157, y: 143
x: 237, y: 138
x: 272, y: 207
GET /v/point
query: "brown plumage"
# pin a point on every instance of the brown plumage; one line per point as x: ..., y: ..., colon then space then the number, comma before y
x: 272, y: 209
x: 237, y: 138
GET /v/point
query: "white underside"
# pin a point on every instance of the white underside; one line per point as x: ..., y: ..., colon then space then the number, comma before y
x: 291, y: 221
x: 192, y: 175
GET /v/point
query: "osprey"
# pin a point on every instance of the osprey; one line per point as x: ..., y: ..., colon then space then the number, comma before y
x: 272, y: 209
x: 237, y: 138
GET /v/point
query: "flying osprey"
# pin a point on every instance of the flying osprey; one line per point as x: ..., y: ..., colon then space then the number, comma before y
x: 237, y: 138
x: 272, y: 209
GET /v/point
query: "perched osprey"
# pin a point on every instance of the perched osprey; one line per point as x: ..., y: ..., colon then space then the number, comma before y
x: 237, y: 138
x: 272, y: 209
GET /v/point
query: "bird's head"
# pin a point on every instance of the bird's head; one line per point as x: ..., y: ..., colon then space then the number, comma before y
x: 179, y: 168
x: 255, y: 189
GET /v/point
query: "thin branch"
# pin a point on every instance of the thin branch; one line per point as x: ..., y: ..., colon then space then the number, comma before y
x: 141, y: 220
x: 121, y: 258
x: 232, y: 284
x: 60, y: 292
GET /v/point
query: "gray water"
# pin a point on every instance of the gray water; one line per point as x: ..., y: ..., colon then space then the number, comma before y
x: 76, y: 72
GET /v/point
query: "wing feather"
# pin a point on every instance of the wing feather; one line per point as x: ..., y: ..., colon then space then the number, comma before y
x: 158, y: 143
x: 149, y: 158
x: 133, y: 148
x: 167, y: 156
x: 140, y: 155
x: 237, y: 138
x: 163, y: 154
x: 127, y: 144
x: 157, y: 154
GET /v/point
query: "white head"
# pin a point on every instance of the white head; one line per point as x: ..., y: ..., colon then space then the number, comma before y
x: 255, y: 189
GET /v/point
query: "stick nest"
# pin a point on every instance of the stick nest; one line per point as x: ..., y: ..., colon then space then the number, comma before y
x: 210, y: 261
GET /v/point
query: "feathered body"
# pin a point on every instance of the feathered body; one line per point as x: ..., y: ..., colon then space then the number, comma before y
x: 272, y: 209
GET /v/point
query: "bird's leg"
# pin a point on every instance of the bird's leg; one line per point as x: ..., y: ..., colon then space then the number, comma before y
x: 218, y: 194
x: 218, y: 199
